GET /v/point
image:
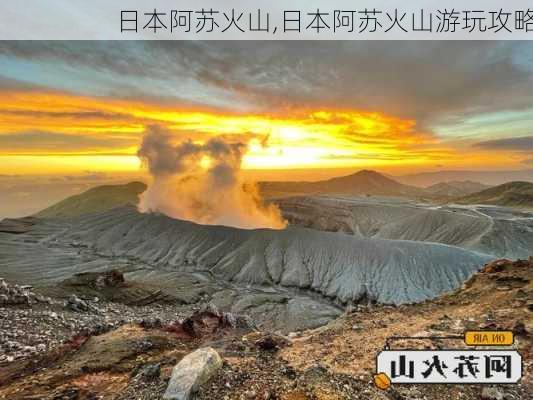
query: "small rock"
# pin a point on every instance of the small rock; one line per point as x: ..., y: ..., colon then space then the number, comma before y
x: 68, y: 394
x: 504, y: 288
x: 74, y: 303
x: 270, y: 342
x: 519, y: 329
x: 496, y: 266
x: 288, y: 371
x: 491, y: 393
x: 151, y: 323
x: 149, y: 371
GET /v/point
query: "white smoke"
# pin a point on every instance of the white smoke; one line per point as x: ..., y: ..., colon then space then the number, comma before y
x: 202, y: 182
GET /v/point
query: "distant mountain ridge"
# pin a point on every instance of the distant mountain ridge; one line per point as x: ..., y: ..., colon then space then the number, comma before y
x: 103, y: 198
x: 511, y: 194
x: 96, y: 199
x: 456, y: 188
x: 492, y: 178
x: 364, y: 182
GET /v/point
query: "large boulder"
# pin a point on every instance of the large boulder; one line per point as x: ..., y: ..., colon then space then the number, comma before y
x: 191, y: 372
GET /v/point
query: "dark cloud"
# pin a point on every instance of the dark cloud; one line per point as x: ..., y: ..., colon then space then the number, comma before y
x: 524, y: 143
x: 429, y: 81
x: 114, y: 56
x: 426, y: 81
x: 12, y: 84
x: 52, y: 142
x: 137, y: 59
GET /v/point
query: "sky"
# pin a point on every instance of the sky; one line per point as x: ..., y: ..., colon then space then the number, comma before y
x: 78, y: 110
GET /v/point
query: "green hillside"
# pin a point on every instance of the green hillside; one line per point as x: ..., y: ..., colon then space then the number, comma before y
x: 511, y: 194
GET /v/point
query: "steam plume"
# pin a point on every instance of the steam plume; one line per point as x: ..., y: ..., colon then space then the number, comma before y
x: 202, y: 182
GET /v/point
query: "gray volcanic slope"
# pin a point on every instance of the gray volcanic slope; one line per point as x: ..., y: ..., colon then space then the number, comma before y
x: 338, y: 266
x: 497, y: 231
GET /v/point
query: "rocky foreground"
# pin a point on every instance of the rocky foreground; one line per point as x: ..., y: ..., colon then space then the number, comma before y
x: 91, y: 345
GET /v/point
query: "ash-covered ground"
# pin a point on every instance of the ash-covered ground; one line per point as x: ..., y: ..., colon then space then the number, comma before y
x: 80, y: 348
x: 104, y: 304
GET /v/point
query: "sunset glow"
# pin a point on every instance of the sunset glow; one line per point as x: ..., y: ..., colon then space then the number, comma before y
x: 78, y: 132
x: 63, y: 112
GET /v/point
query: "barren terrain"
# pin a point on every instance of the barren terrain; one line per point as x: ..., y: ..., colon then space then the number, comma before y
x: 133, y: 359
x: 100, y: 301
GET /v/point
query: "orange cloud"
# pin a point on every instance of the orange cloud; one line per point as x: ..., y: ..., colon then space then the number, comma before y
x: 100, y: 126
